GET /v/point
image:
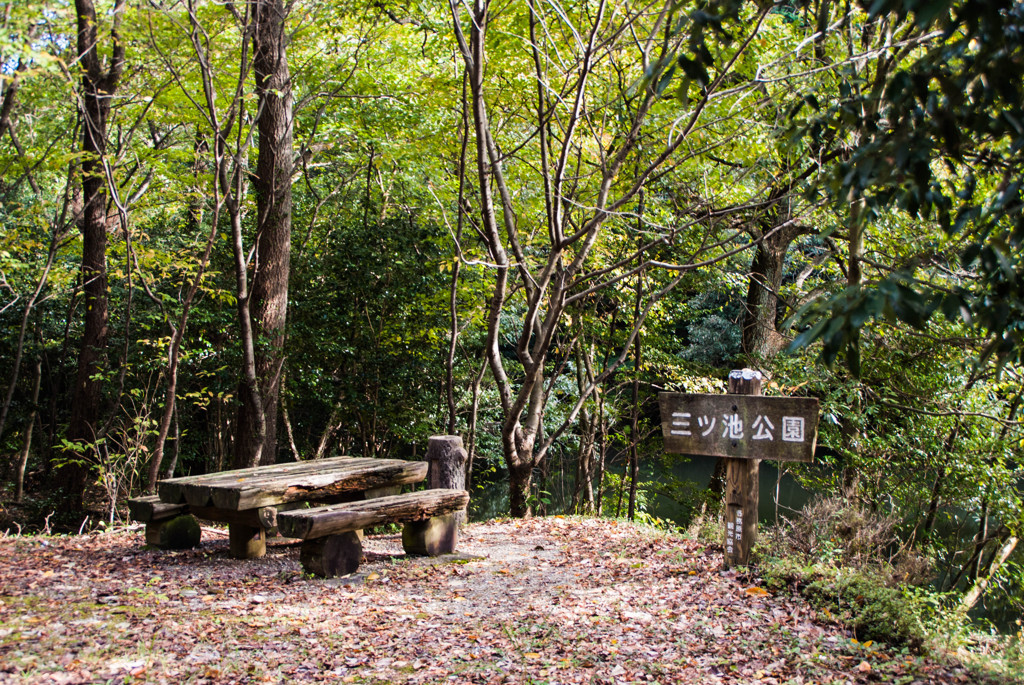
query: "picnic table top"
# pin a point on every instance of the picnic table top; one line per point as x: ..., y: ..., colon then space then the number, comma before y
x: 263, y: 486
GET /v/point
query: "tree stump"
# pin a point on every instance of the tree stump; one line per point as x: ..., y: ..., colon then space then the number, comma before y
x: 446, y: 460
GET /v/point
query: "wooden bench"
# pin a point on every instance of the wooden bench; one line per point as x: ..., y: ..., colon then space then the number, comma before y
x: 331, y: 534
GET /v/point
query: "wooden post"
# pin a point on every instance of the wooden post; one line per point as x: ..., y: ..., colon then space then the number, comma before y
x: 447, y: 467
x: 741, y: 484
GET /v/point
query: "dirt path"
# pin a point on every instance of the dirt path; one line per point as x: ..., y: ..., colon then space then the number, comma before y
x: 550, y: 600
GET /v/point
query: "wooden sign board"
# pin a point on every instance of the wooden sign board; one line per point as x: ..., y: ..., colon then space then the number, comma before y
x: 740, y: 426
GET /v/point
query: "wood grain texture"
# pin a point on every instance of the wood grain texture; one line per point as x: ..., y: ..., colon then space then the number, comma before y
x: 741, y: 505
x: 262, y: 486
x: 172, y: 490
x: 309, y: 486
x: 433, y: 536
x: 333, y: 555
x: 338, y: 518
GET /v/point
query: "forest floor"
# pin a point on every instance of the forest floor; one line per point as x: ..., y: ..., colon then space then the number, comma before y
x: 549, y: 600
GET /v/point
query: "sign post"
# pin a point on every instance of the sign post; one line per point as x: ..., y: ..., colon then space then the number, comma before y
x: 741, y: 487
x: 743, y: 427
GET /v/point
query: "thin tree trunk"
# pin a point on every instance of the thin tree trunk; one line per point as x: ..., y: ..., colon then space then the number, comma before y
x: 937, y: 486
x: 456, y: 268
x: 173, y: 464
x: 26, y: 444
x: 982, y: 534
x: 583, y: 493
x: 55, y: 239
x: 288, y: 428
x: 848, y: 428
x: 178, y: 334
x: 634, y: 420
x: 603, y: 427
x: 329, y: 432
x: 995, y: 563
x: 474, y: 412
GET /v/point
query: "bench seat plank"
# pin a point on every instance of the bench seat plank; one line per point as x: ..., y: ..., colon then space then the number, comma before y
x: 150, y: 509
x: 338, y: 518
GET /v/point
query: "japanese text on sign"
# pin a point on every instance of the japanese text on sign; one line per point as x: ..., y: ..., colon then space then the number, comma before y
x: 752, y: 426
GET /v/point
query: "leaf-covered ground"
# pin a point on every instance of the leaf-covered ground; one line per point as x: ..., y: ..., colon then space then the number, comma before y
x: 553, y: 600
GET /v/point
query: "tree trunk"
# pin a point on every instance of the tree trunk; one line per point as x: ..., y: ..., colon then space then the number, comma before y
x: 848, y: 428
x: 272, y: 184
x: 98, y: 88
x: 173, y: 463
x: 520, y: 478
x: 178, y: 332
x: 56, y: 236
x: 26, y: 443
x: 995, y: 563
x: 760, y: 335
x: 474, y: 412
x: 602, y: 452
x: 634, y: 420
x: 583, y: 489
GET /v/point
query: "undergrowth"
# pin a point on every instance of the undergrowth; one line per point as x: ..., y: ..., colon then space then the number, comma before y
x: 850, y: 565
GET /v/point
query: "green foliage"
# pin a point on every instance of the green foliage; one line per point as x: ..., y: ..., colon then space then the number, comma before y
x: 615, y: 501
x: 945, y: 146
x: 779, y: 130
x: 873, y: 610
x: 369, y: 329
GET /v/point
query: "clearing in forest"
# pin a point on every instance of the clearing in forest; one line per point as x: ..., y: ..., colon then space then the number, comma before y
x: 551, y: 600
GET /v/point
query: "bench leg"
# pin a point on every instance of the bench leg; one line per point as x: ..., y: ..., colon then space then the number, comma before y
x: 247, y: 542
x: 180, y: 532
x: 334, y: 555
x: 436, y: 535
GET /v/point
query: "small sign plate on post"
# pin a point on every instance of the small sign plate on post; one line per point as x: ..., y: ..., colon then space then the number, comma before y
x: 740, y: 426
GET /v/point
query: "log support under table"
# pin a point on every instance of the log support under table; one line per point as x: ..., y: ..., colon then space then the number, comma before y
x: 332, y: 555
x: 246, y: 542
x: 340, y: 554
x: 436, y: 535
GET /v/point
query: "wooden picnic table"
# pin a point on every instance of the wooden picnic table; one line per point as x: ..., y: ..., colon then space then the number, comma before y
x: 248, y: 499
